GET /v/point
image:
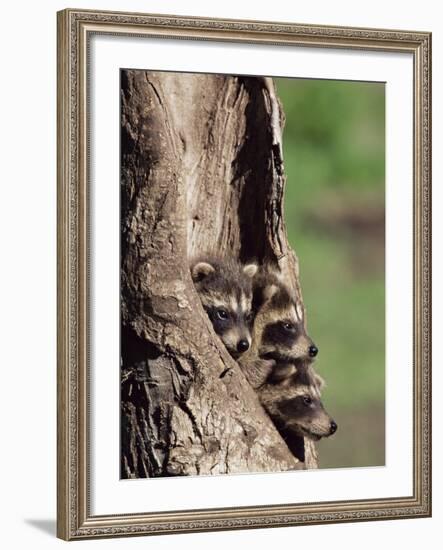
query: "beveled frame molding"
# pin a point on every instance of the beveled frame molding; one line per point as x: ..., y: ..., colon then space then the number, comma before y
x: 74, y: 520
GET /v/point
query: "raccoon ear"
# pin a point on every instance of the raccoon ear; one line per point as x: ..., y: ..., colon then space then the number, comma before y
x: 250, y: 270
x: 201, y: 270
x: 283, y: 372
x: 269, y: 291
x: 319, y: 382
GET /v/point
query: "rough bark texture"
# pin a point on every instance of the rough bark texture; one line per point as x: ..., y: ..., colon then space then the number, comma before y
x: 201, y: 172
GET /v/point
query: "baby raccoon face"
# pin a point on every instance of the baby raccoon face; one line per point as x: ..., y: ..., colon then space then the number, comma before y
x: 232, y: 323
x: 283, y: 335
x: 286, y: 339
x: 225, y: 290
x: 303, y: 414
x: 296, y: 408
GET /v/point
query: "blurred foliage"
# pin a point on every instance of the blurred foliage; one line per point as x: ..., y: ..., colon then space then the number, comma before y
x: 334, y: 150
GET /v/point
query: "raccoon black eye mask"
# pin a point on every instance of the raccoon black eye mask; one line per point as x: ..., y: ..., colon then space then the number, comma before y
x: 281, y: 332
x: 225, y: 322
x: 279, y: 338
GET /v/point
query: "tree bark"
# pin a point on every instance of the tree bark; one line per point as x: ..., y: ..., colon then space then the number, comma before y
x: 201, y: 172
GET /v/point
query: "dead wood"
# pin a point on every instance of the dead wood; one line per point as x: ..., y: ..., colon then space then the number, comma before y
x: 201, y: 172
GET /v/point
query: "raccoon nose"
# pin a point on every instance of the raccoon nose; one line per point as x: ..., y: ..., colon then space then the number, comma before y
x: 313, y: 350
x: 333, y: 427
x: 242, y: 346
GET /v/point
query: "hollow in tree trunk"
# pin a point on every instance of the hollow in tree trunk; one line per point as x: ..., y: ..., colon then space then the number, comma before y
x: 201, y: 172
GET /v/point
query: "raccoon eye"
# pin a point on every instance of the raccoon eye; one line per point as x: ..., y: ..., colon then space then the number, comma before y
x: 249, y: 316
x: 222, y: 314
x: 307, y: 400
x: 288, y: 326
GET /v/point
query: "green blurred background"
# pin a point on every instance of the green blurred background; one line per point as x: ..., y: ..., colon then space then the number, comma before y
x: 334, y: 150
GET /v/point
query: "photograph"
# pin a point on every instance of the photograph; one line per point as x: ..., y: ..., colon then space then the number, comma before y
x: 252, y: 274
x: 244, y: 247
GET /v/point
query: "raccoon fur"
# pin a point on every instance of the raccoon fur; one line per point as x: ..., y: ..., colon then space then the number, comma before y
x: 225, y: 289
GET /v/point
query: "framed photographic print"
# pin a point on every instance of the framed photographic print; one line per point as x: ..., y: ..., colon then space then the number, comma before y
x: 243, y: 274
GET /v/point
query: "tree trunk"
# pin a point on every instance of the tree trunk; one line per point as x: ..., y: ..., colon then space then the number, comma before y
x: 201, y: 172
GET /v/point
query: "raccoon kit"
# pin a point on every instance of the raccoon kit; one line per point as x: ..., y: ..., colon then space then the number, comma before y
x: 225, y: 290
x: 279, y: 339
x: 296, y: 409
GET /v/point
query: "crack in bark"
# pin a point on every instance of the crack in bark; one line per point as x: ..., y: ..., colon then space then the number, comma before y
x: 194, y: 421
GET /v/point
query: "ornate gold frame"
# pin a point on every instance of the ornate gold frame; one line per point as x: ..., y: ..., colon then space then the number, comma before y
x: 74, y: 519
